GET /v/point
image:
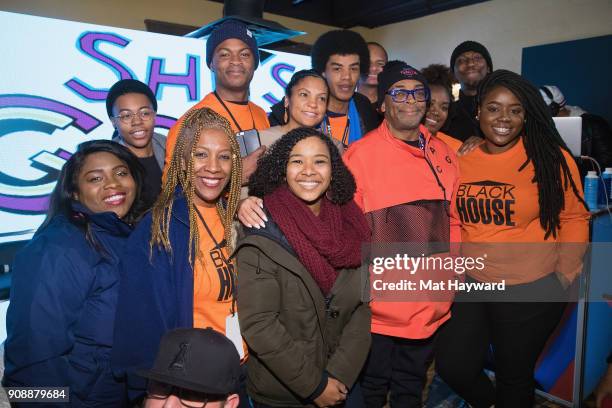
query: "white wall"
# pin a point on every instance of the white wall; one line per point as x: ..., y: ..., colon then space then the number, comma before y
x: 503, y: 26
x: 132, y: 13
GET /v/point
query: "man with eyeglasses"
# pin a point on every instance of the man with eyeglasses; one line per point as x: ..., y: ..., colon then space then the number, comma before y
x: 470, y: 62
x: 131, y: 107
x: 194, y: 368
x: 405, y: 181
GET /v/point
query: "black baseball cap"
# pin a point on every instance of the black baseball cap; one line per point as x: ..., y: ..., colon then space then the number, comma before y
x: 395, y: 71
x: 200, y: 360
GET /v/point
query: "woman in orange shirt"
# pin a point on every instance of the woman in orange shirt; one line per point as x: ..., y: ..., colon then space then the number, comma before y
x: 177, y: 271
x: 519, y: 195
x: 438, y: 78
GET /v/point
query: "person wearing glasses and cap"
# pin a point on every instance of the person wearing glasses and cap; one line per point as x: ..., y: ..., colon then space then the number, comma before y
x: 405, y: 180
x: 194, y: 368
x: 131, y: 107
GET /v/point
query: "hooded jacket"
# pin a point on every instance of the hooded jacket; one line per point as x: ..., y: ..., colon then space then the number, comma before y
x: 297, y: 337
x: 62, y: 311
x: 406, y: 194
x: 159, y: 146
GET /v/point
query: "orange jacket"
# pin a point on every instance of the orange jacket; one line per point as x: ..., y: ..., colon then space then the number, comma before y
x: 453, y: 143
x: 414, y: 187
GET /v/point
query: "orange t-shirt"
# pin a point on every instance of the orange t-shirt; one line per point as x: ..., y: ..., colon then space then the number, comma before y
x: 247, y: 116
x: 450, y: 141
x: 214, y: 280
x: 498, y: 207
x: 338, y: 128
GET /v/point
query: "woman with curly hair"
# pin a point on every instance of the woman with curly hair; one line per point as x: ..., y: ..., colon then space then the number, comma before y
x: 177, y: 271
x: 300, y: 292
x: 520, y: 202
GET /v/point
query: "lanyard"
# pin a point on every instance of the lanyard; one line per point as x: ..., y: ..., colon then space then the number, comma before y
x: 345, y: 134
x: 232, y: 116
x: 227, y: 262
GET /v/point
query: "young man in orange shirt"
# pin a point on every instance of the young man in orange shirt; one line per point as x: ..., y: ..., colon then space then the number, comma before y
x: 232, y: 55
x: 405, y: 179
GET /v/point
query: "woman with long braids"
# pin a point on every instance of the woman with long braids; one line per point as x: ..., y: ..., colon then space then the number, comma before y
x: 519, y: 193
x: 300, y: 292
x: 177, y: 271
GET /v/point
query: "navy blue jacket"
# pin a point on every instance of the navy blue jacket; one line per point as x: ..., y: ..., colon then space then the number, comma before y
x: 61, y: 316
x: 156, y: 295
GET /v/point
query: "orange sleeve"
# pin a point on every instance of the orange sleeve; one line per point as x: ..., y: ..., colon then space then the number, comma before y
x: 260, y: 117
x: 574, y: 231
x: 455, y: 222
x: 574, y: 217
x: 450, y: 141
x: 352, y: 166
x: 170, y: 143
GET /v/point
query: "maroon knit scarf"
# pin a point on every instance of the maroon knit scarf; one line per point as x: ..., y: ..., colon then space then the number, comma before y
x: 323, y: 243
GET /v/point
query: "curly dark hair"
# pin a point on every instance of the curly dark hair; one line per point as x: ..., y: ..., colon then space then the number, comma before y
x: 440, y: 75
x: 340, y: 42
x: 272, y: 167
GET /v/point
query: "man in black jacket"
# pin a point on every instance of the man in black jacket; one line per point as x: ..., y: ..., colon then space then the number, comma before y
x: 470, y: 62
x: 341, y: 56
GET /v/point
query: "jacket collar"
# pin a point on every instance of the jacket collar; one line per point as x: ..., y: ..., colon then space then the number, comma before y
x: 103, y: 221
x: 400, y: 144
x: 179, y: 207
x: 159, y: 146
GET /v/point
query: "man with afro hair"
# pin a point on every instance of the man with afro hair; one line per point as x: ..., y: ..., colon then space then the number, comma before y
x: 342, y: 57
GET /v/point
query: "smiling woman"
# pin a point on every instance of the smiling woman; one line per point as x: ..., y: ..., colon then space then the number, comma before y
x: 64, y: 290
x: 299, y: 296
x: 305, y: 103
x: 528, y: 193
x: 177, y: 270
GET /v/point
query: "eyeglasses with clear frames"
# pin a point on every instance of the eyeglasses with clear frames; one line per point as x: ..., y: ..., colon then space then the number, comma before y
x: 399, y: 95
x: 144, y: 114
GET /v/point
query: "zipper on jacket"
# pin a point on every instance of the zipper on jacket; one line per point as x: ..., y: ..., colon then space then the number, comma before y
x: 332, y: 312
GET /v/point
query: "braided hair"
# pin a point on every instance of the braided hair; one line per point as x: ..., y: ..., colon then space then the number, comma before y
x: 181, y: 173
x: 543, y: 146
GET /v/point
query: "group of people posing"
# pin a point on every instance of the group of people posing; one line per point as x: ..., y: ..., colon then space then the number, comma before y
x: 147, y: 234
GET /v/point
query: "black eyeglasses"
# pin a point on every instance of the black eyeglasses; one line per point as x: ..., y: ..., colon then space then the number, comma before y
x: 402, y: 95
x: 187, y: 398
x: 145, y: 115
